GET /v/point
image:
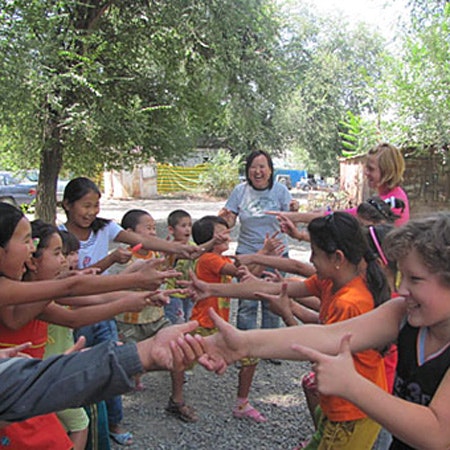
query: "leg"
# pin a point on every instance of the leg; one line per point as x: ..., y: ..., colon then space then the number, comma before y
x: 246, y: 315
x: 243, y: 409
x: 177, y: 407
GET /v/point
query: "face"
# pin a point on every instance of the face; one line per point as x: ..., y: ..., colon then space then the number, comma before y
x: 322, y: 262
x: 223, y: 247
x: 84, y: 211
x: 72, y: 260
x: 17, y: 252
x: 146, y: 227
x: 372, y: 172
x: 181, y: 232
x: 259, y: 172
x: 427, y: 297
x: 51, y: 260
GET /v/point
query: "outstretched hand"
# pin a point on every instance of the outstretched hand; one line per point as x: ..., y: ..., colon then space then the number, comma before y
x: 172, y: 348
x: 335, y: 375
x: 280, y: 304
x: 223, y: 347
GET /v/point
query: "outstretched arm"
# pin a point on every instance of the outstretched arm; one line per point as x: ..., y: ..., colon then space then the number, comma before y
x: 374, y: 329
x: 91, y: 375
x: 422, y: 427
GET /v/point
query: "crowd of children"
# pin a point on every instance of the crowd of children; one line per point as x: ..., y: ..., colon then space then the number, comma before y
x: 54, y: 281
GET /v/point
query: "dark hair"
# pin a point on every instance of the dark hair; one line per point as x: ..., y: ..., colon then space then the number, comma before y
x: 70, y: 242
x: 10, y: 216
x: 380, y: 231
x: 248, y: 163
x: 341, y: 231
x: 376, y: 210
x: 43, y: 231
x: 175, y: 216
x: 131, y: 218
x: 203, y: 229
x: 77, y: 189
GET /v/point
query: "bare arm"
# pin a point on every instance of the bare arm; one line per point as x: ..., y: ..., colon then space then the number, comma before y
x: 422, y: 427
x: 17, y: 292
x: 276, y: 262
x: 17, y: 316
x: 298, y: 217
x: 374, y: 329
x: 229, y: 216
x: 160, y: 245
x: 75, y: 318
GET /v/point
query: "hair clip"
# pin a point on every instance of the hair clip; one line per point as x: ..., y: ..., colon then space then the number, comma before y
x: 373, y: 235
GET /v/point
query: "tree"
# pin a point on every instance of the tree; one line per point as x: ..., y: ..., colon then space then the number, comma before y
x: 421, y: 78
x: 108, y: 83
x: 334, y: 70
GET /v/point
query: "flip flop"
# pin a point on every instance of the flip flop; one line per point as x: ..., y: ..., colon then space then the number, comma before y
x: 122, y: 438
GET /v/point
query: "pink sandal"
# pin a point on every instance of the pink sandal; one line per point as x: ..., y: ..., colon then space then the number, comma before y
x: 248, y: 412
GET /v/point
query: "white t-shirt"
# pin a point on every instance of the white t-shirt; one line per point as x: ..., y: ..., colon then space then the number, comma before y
x: 250, y: 204
x: 96, y: 247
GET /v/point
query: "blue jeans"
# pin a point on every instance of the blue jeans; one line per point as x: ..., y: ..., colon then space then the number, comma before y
x: 179, y: 310
x: 95, y: 334
x: 248, y: 310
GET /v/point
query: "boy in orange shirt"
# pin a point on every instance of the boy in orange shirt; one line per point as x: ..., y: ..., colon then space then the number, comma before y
x: 214, y: 267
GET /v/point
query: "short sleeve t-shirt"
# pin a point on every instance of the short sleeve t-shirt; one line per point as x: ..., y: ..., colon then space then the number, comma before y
x: 96, y: 247
x: 250, y: 205
x: 351, y: 300
x: 208, y: 268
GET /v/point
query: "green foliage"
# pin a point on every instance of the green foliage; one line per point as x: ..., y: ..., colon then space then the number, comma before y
x: 358, y: 135
x: 222, y: 174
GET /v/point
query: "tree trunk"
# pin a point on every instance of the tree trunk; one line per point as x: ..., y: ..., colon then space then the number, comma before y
x: 50, y: 165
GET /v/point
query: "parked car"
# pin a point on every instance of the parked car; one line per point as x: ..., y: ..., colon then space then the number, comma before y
x: 284, y: 179
x: 15, y: 192
x: 21, y: 188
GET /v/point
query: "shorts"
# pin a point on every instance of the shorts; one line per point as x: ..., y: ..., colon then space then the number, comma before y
x: 136, y: 332
x: 349, y: 435
x: 73, y: 419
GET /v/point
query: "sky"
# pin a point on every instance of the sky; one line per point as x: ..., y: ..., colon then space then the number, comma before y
x: 382, y: 14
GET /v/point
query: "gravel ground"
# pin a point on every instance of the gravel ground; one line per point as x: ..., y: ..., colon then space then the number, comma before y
x: 276, y: 390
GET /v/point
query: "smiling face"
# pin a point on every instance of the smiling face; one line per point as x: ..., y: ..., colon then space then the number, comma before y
x: 146, y: 226
x: 322, y: 261
x: 84, y: 211
x: 372, y: 172
x: 51, y: 261
x: 427, y: 297
x: 259, y: 172
x: 17, y: 252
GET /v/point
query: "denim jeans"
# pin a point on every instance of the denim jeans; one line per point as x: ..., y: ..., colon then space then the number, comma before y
x: 179, y: 310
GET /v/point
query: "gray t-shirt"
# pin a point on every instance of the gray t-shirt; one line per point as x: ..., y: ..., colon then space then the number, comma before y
x: 250, y: 204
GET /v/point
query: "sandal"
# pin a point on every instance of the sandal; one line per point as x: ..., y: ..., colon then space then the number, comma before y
x: 182, y: 411
x: 122, y: 438
x: 248, y: 412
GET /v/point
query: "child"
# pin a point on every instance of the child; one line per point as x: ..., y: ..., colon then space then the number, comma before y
x: 213, y: 267
x: 374, y: 210
x: 180, y: 227
x: 20, y: 323
x: 418, y: 414
x: 81, y: 203
x: 384, y: 171
x: 135, y: 327
x: 338, y: 248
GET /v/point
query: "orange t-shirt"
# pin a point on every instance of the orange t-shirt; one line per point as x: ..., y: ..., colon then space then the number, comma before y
x: 39, y: 432
x: 351, y: 300
x: 208, y: 269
